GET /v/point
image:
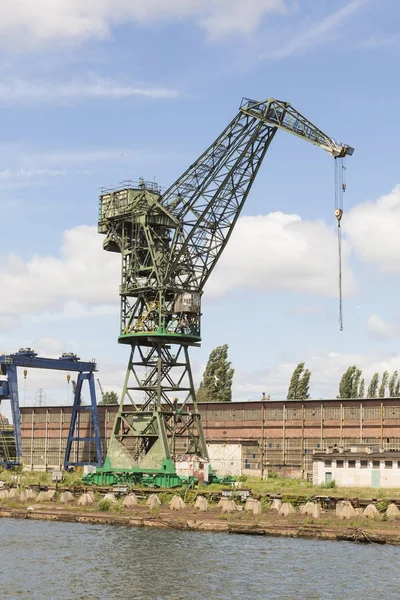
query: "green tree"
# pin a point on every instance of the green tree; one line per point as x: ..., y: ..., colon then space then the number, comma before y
x: 355, y: 393
x: 109, y: 398
x: 397, y: 389
x: 299, y: 387
x: 392, y: 384
x: 216, y: 385
x: 373, y: 386
x: 384, y: 382
x: 361, y: 389
x: 303, y: 388
x: 294, y: 382
x: 347, y: 381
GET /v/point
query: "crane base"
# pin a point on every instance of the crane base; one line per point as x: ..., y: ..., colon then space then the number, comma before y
x: 152, y: 480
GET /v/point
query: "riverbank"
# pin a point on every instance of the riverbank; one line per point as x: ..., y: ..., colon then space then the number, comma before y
x: 268, y: 523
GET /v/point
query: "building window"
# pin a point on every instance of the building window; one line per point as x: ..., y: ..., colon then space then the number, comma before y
x: 376, y: 464
x: 327, y: 463
x: 352, y: 464
x: 388, y: 464
x: 363, y: 464
x: 339, y: 464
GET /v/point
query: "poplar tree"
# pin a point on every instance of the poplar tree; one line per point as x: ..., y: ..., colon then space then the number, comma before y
x: 294, y: 382
x: 392, y: 384
x: 303, y: 388
x: 355, y: 384
x: 216, y: 385
x: 346, y: 383
x: 384, y: 382
x: 373, y: 386
x: 361, y: 390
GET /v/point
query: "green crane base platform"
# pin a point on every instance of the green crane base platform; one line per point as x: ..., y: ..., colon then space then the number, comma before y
x: 166, y: 478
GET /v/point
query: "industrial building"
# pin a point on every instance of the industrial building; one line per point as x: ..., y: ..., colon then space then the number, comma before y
x: 358, y: 466
x: 243, y: 438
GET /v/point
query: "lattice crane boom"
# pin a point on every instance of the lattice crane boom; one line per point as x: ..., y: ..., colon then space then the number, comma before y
x: 208, y: 198
x: 283, y: 115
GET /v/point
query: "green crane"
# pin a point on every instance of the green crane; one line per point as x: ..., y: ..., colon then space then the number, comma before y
x: 169, y: 244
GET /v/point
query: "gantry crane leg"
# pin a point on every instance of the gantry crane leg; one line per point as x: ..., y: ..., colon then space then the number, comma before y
x: 158, y: 424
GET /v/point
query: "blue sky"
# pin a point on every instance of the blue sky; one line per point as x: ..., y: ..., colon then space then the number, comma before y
x: 93, y: 93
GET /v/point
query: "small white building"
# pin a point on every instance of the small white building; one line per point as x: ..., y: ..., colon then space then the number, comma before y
x: 358, y: 466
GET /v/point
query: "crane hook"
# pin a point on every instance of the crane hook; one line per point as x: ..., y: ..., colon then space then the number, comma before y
x: 339, y: 215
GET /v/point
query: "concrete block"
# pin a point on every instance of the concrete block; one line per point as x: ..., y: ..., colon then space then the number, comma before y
x: 222, y: 502
x: 110, y: 497
x: 130, y: 501
x: 152, y: 500
x: 286, y: 509
x: 307, y: 509
x: 4, y: 495
x: 276, y: 504
x: 371, y: 512
x: 316, y: 511
x: 23, y: 496
x: 254, y: 506
x: 339, y: 506
x: 85, y: 499
x: 392, y: 511
x: 27, y: 495
x: 42, y: 497
x: 177, y: 503
x: 50, y: 494
x: 347, y: 511
x: 201, y: 504
x: 229, y: 506
x: 66, y: 497
x: 13, y: 493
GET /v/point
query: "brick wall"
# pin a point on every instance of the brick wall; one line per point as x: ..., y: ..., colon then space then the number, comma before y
x: 279, y: 436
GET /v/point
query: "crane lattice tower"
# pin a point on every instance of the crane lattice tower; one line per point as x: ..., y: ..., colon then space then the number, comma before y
x: 169, y: 244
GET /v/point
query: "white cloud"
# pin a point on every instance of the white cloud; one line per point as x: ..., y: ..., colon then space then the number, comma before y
x: 282, y: 252
x: 17, y: 178
x: 373, y: 229
x: 311, y: 34
x: 56, y: 21
x: 83, y: 274
x: 275, y: 251
x: 92, y: 87
x: 380, y: 329
x: 379, y: 41
x: 6, y: 324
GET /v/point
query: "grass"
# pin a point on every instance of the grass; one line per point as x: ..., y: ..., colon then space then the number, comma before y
x: 288, y: 487
x: 27, y: 478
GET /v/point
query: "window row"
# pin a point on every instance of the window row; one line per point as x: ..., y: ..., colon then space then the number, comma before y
x: 362, y: 464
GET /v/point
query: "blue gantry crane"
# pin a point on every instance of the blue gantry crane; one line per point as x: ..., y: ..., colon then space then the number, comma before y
x: 28, y: 358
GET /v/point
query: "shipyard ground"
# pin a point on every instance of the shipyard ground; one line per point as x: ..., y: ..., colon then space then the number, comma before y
x: 269, y: 523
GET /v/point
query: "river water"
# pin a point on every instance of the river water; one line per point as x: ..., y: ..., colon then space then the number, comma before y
x: 63, y: 561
